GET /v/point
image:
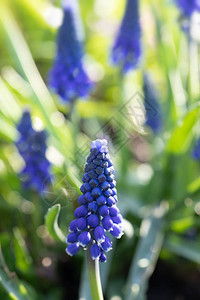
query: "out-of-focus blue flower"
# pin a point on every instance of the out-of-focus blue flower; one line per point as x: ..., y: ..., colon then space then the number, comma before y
x: 188, y: 6
x: 196, y: 150
x: 152, y: 107
x: 97, y: 212
x: 32, y: 147
x: 126, y: 51
x: 67, y: 76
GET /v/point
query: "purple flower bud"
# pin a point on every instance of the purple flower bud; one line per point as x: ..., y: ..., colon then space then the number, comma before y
x: 99, y: 170
x: 117, y: 219
x: 99, y: 234
x: 92, y: 174
x: 97, y: 161
x: 101, y: 155
x: 113, y: 184
x: 81, y: 223
x: 107, y: 223
x: 108, y: 193
x: 108, y: 171
x: 88, y: 196
x: 103, y: 210
x: 106, y: 245
x: 96, y: 192
x: 84, y: 238
x: 114, y: 192
x: 82, y: 189
x: 82, y: 200
x: 86, y: 177
x: 93, y: 220
x: 110, y: 201
x: 92, y: 206
x: 94, y: 183
x: 105, y: 185
x: 80, y: 211
x: 116, y: 231
x: 101, y: 200
x: 113, y: 211
x: 102, y: 257
x: 110, y: 178
x: 72, y: 237
x: 94, y: 251
x: 101, y: 178
x: 73, y: 225
x: 72, y: 249
x: 87, y: 186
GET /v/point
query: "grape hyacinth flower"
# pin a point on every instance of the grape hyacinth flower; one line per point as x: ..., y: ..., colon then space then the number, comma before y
x: 152, y: 107
x: 97, y: 212
x: 126, y: 51
x: 67, y: 76
x: 32, y: 147
x: 188, y: 7
x: 196, y: 150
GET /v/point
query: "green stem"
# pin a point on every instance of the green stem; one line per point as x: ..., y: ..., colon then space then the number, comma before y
x: 94, y: 277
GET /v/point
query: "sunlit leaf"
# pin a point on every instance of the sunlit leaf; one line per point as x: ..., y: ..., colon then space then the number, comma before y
x: 51, y: 222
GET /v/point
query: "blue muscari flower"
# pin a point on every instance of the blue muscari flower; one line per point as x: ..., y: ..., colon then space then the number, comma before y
x: 126, y: 51
x: 67, y: 76
x: 152, y: 107
x: 97, y: 212
x: 196, y: 150
x: 32, y: 147
x: 188, y: 6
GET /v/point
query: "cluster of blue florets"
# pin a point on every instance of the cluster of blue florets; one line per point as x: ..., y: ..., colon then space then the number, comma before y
x: 67, y: 76
x: 126, y: 51
x: 188, y: 6
x: 32, y: 147
x: 97, y: 212
x: 196, y: 150
x: 151, y: 104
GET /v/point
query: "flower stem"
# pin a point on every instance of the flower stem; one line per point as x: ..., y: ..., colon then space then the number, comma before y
x: 94, y: 277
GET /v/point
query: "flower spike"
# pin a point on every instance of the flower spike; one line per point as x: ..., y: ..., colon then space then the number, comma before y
x: 126, y: 51
x: 97, y: 213
x: 32, y: 147
x: 67, y: 76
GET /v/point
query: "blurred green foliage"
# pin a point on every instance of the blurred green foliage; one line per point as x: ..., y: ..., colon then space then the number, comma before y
x: 158, y: 181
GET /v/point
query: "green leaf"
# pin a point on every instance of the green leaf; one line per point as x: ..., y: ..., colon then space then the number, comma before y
x: 51, y: 222
x: 182, y: 135
x: 15, y: 288
x: 23, y: 259
x: 147, y: 252
x: 183, y: 247
x: 194, y: 186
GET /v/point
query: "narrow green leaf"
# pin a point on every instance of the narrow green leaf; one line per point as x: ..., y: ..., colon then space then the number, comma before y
x: 12, y: 285
x: 51, y: 222
x: 194, y: 186
x: 147, y: 252
x: 182, y: 135
x: 183, y: 247
x: 23, y: 259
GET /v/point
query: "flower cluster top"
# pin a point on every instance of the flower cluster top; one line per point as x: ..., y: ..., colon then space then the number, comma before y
x: 126, y: 51
x: 67, y: 76
x: 31, y: 145
x: 97, y: 212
